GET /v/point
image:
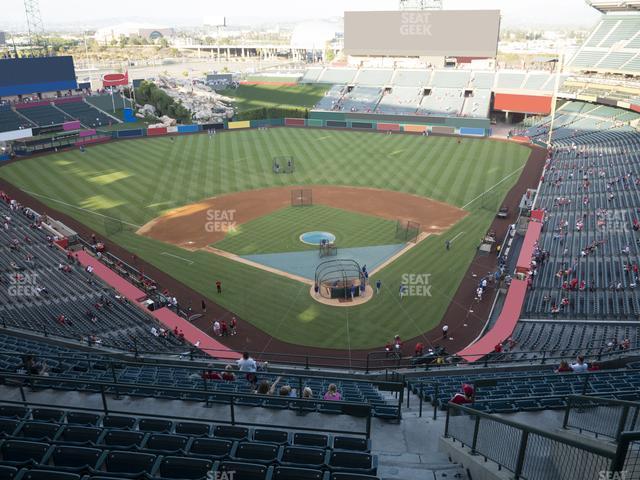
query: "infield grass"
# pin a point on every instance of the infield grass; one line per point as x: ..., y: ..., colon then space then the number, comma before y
x: 137, y: 180
x: 280, y: 231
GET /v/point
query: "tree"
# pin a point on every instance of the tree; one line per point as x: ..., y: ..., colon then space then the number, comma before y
x: 148, y: 92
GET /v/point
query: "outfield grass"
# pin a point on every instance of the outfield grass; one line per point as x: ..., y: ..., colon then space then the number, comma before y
x: 280, y: 231
x: 249, y: 97
x: 138, y: 180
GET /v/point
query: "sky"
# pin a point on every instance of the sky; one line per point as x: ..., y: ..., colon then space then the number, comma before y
x: 88, y: 13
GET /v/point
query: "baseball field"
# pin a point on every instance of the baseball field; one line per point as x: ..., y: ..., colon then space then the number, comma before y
x: 157, y: 197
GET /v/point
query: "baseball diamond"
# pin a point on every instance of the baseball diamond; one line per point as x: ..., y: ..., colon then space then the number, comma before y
x: 173, y: 190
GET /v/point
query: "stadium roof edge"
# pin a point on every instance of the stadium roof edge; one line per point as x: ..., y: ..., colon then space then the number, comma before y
x: 606, y: 6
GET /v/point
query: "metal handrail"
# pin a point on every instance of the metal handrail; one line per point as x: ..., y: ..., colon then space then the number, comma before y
x: 578, y: 404
x: 358, y: 409
x: 477, y: 417
x: 320, y: 361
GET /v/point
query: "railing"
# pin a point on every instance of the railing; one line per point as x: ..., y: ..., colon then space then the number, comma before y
x: 394, y: 384
x: 601, y: 416
x: 529, y: 452
x: 628, y: 456
x: 374, y: 361
x: 625, y: 419
x: 204, y: 396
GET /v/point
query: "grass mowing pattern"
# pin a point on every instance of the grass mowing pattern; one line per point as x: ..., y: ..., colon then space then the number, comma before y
x: 139, y: 179
x: 280, y: 231
x: 258, y: 96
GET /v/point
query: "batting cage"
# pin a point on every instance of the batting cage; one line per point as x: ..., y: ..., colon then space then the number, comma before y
x: 407, y: 230
x: 339, y: 279
x: 301, y: 198
x: 284, y: 164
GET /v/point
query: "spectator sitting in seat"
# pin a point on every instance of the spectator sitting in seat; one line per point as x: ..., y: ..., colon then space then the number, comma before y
x: 266, y: 388
x: 211, y: 375
x: 228, y: 375
x: 466, y: 396
x: 564, y: 367
x: 580, y: 366
x: 31, y: 367
x: 287, y: 391
x: 307, y: 393
x: 332, y: 393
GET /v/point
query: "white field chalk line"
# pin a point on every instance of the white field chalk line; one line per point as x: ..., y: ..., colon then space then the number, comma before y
x: 80, y: 208
x: 489, y: 189
x: 176, y: 256
x: 450, y: 241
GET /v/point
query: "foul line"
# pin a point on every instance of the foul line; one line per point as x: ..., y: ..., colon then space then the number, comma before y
x: 453, y: 239
x: 80, y: 208
x: 176, y: 256
x: 488, y: 190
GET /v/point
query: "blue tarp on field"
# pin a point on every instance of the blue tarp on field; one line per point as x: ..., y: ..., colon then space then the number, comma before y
x: 304, y: 264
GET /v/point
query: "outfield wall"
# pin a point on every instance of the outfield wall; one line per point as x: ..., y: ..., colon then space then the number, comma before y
x: 362, y: 123
x: 479, y: 127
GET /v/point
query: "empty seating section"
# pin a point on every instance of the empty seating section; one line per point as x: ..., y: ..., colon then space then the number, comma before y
x: 624, y: 30
x: 536, y: 81
x: 613, y: 46
x: 587, y: 59
x: 442, y: 101
x: 483, y: 80
x: 603, y: 30
x: 360, y: 99
x: 330, y: 99
x: 88, y: 306
x: 374, y: 78
x: 338, y: 75
x: 412, y: 78
x: 86, y: 114
x: 106, y: 103
x: 634, y: 64
x: 10, y: 120
x: 568, y: 339
x: 60, y: 448
x: 478, y: 104
x: 615, y: 60
x: 451, y: 79
x: 400, y: 101
x: 510, y: 80
x: 45, y: 115
x: 512, y: 391
x: 311, y: 75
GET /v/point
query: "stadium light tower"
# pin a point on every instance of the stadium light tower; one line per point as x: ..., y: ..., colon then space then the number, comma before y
x: 34, y: 22
x: 420, y: 4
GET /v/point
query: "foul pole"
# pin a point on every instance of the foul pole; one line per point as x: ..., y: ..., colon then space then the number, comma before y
x: 554, y: 99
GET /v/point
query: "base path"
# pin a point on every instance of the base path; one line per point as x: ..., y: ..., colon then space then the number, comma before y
x: 186, y: 226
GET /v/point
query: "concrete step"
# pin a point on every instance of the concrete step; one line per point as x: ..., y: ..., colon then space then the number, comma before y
x: 450, y: 472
